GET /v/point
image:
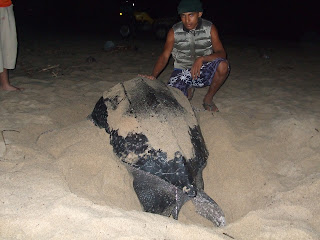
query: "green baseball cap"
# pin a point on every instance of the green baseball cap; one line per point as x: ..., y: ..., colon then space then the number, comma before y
x: 189, y: 6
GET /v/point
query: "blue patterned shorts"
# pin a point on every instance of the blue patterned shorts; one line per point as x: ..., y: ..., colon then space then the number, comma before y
x: 182, y: 79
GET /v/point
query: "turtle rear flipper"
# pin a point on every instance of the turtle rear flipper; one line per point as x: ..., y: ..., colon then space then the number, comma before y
x: 157, y: 195
x: 209, y: 209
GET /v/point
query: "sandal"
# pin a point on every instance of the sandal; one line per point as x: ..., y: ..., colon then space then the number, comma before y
x: 210, y: 107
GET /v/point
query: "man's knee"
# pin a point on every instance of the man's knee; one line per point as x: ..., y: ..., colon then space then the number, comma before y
x: 223, y: 68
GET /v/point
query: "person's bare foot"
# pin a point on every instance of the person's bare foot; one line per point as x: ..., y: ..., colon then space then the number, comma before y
x: 208, y: 104
x: 210, y: 107
x: 11, y: 88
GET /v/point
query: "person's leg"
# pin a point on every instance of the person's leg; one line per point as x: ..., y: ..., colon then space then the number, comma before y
x: 212, y: 74
x: 4, y: 82
x: 180, y: 79
x: 8, y: 47
x: 190, y: 93
x: 217, y: 81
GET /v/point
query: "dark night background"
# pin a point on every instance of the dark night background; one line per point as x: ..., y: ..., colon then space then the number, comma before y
x: 282, y: 19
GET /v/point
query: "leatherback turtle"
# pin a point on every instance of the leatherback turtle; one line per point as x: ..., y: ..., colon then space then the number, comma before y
x: 154, y: 132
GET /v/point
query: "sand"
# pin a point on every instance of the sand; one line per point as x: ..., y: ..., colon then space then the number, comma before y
x: 59, y: 178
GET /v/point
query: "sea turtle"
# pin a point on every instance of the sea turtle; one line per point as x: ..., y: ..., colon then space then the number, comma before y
x: 154, y: 132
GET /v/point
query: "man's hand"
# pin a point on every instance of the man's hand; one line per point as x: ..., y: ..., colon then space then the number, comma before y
x: 218, y: 50
x: 195, y: 70
x: 148, y: 76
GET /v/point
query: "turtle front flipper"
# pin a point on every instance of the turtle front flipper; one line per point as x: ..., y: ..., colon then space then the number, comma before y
x: 209, y: 209
x: 157, y: 195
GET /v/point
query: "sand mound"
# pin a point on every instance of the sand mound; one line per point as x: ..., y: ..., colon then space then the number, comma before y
x: 60, y: 179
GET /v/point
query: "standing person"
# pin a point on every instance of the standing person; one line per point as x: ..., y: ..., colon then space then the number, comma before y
x: 199, y: 56
x: 8, y: 44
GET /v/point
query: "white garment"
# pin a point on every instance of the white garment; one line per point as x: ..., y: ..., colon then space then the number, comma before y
x: 8, y: 38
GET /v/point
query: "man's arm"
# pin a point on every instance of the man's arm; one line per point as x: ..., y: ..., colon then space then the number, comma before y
x: 218, y: 49
x: 164, y: 57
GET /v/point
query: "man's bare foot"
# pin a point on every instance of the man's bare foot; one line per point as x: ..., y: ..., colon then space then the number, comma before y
x: 210, y: 107
x: 11, y: 88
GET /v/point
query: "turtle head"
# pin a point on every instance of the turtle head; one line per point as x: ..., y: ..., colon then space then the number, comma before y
x: 190, y: 190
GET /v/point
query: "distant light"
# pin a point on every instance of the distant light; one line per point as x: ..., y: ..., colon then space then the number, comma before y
x: 121, y: 14
x: 132, y: 4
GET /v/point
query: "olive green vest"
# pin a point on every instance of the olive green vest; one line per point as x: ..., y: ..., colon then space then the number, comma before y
x: 191, y: 44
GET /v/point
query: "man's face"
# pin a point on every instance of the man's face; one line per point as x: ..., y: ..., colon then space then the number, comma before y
x: 190, y: 19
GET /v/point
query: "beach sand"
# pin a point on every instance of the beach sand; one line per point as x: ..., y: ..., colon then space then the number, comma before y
x: 59, y: 178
